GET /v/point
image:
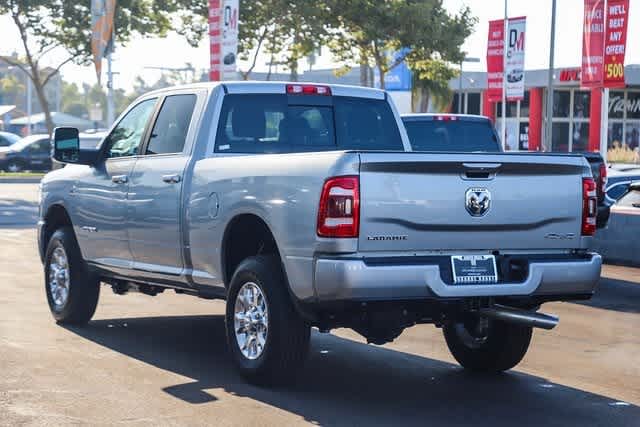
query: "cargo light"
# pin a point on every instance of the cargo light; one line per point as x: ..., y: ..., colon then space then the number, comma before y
x: 446, y: 118
x: 339, y: 211
x: 589, y: 207
x: 308, y: 90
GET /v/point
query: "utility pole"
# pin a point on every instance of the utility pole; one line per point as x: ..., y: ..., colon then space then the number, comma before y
x: 505, y: 29
x: 28, y: 105
x: 110, y: 104
x: 548, y: 134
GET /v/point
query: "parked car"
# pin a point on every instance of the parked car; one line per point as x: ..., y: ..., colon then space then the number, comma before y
x: 30, y: 153
x: 7, y: 139
x: 619, y: 178
x: 302, y: 205
x: 471, y: 133
x: 629, y: 202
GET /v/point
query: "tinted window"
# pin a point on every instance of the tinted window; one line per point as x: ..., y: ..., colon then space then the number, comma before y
x: 126, y: 137
x: 40, y: 147
x: 451, y: 135
x: 170, y: 130
x: 6, y: 139
x: 270, y: 124
x: 630, y: 200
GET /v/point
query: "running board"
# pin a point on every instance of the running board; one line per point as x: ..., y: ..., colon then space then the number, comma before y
x: 519, y: 316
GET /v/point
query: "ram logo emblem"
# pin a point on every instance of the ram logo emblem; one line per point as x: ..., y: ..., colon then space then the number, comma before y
x: 478, y: 201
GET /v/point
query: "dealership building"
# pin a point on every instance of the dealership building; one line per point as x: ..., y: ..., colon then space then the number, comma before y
x: 576, y: 122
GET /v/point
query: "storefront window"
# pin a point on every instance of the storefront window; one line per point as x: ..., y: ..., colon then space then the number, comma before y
x: 512, y: 109
x: 561, y: 103
x: 614, y: 135
x: 473, y: 103
x: 560, y: 138
x: 632, y: 135
x: 581, y: 104
x: 616, y: 105
x: 580, y: 137
x: 523, y: 139
x: 524, y: 106
x: 633, y: 105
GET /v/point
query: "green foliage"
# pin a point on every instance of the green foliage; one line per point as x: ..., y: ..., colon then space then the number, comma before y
x: 365, y: 31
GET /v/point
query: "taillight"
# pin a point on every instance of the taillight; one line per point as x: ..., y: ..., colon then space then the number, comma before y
x: 602, y: 185
x: 308, y: 90
x: 339, y: 210
x: 589, y: 207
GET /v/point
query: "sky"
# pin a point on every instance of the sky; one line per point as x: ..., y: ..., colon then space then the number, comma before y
x: 172, y: 51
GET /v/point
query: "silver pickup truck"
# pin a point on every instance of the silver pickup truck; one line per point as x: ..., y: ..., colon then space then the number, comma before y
x: 303, y: 206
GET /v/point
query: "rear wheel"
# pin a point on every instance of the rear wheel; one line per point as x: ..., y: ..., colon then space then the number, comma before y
x: 268, y: 340
x: 15, y: 166
x: 71, y: 291
x: 487, y: 345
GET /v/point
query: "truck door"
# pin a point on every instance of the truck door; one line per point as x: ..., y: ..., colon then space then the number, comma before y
x: 100, y: 199
x: 155, y: 190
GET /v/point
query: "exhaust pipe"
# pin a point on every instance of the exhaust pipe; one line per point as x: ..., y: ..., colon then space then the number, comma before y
x: 519, y: 316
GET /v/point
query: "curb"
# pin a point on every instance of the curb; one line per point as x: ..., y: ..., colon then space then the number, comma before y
x: 22, y: 180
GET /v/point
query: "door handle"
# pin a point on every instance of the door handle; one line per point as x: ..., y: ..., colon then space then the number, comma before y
x: 171, y: 179
x: 120, y: 179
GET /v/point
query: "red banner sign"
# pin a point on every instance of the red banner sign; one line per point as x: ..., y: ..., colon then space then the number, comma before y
x: 215, y: 40
x: 615, y: 42
x: 593, y: 43
x: 495, y: 60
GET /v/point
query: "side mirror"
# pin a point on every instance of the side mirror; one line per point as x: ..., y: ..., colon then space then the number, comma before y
x: 66, y: 147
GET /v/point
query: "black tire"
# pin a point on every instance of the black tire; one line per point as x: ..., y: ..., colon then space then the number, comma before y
x: 287, y: 339
x: 503, y: 347
x: 83, y: 288
x: 15, y: 166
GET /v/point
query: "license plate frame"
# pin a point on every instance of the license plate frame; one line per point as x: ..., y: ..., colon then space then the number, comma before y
x: 474, y: 269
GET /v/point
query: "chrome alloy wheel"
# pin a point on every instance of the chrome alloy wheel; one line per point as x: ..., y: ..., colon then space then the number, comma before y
x: 59, y: 277
x: 251, y: 320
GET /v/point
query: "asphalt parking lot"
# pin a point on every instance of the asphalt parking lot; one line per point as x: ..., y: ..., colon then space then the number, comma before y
x: 163, y: 361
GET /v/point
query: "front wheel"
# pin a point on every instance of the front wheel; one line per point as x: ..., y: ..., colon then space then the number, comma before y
x: 14, y: 166
x: 487, y: 345
x: 71, y: 291
x: 268, y: 340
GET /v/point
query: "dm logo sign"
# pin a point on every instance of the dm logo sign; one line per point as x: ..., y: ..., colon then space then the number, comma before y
x: 478, y: 201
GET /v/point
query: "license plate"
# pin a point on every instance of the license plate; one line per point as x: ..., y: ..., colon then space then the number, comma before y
x: 474, y: 269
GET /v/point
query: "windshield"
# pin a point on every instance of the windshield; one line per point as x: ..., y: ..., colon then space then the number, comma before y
x: 451, y: 135
x: 10, y: 137
x: 288, y: 124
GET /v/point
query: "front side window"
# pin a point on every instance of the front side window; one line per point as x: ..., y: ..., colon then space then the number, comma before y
x: 170, y: 129
x: 126, y: 137
x: 40, y: 147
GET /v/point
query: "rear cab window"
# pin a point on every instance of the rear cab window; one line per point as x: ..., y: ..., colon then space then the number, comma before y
x: 274, y: 123
x: 451, y: 134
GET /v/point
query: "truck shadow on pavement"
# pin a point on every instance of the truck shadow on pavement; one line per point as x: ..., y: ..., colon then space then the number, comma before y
x: 616, y: 295
x: 345, y: 382
x: 18, y: 213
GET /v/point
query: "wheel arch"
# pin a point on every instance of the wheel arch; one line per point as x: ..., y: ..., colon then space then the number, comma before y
x: 55, y: 218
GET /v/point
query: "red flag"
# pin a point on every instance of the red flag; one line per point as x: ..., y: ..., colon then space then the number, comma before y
x: 495, y: 61
x: 593, y: 43
x: 615, y: 43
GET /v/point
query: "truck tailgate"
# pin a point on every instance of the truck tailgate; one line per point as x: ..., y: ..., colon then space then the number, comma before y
x: 452, y: 201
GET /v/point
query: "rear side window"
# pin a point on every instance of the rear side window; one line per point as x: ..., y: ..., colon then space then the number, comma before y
x: 451, y: 135
x: 276, y: 124
x: 170, y: 129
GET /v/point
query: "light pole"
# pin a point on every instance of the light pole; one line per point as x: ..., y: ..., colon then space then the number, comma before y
x: 466, y: 59
x: 505, y: 29
x: 548, y: 134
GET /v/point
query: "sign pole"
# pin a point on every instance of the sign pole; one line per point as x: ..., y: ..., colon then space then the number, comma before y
x: 503, y: 130
x: 547, y: 146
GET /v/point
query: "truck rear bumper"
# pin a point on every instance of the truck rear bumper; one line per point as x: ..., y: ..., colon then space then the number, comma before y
x: 354, y: 279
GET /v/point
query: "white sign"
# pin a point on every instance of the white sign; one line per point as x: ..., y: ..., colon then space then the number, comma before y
x: 229, y: 27
x: 514, y: 71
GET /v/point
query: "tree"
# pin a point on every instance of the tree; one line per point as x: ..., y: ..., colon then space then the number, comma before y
x: 385, y: 33
x: 47, y: 25
x: 430, y: 83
